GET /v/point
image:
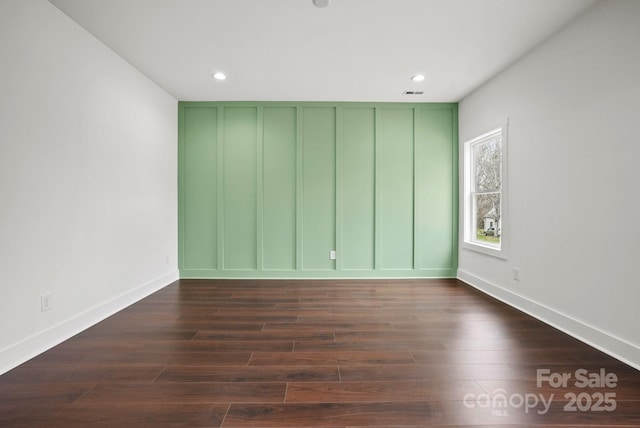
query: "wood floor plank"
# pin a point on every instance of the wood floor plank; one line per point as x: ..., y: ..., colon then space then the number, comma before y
x: 439, y: 335
x: 331, y: 414
x: 513, y: 355
x: 330, y: 358
x: 186, y: 392
x: 56, y: 358
x: 138, y: 415
x: 485, y: 344
x: 270, y: 335
x: 336, y: 325
x: 213, y: 325
x: 250, y: 374
x: 43, y: 393
x: 277, y: 312
x: 372, y: 317
x: 134, y: 333
x: 370, y: 392
x: 220, y: 346
x: 27, y: 374
x: 420, y: 372
x: 368, y: 345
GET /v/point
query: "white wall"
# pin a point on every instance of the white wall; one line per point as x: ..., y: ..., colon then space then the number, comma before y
x: 88, y: 199
x: 574, y: 156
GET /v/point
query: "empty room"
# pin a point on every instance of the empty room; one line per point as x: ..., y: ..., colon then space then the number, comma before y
x: 319, y: 213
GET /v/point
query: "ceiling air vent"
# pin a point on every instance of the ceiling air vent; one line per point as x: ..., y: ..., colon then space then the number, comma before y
x: 413, y: 93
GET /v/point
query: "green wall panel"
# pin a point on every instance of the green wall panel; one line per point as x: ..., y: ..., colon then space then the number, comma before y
x: 240, y: 188
x: 268, y: 189
x: 199, y: 194
x: 395, y: 190
x: 435, y: 185
x: 319, y: 222
x: 358, y: 188
x: 279, y: 184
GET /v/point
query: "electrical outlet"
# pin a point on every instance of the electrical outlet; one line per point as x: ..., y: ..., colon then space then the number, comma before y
x: 332, y: 254
x: 516, y: 274
x: 45, y: 302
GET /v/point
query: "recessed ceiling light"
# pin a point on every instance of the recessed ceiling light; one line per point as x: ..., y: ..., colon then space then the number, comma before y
x: 219, y: 75
x: 418, y: 78
x: 321, y: 3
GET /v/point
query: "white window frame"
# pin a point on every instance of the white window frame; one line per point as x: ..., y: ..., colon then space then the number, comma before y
x: 469, y: 232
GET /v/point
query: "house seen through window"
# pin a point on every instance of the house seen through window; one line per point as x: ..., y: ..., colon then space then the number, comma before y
x: 484, y: 211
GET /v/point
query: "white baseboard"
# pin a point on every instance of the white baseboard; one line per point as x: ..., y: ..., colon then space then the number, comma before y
x: 605, y: 342
x: 30, y: 347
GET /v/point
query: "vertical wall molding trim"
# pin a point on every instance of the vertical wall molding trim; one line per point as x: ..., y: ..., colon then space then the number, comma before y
x: 220, y: 188
x: 299, y: 189
x: 377, y: 244
x: 417, y: 240
x: 338, y: 191
x: 181, y: 187
x: 455, y: 179
x: 355, y: 170
x: 260, y: 189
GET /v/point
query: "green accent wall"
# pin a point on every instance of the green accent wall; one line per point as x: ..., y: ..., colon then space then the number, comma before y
x: 269, y: 189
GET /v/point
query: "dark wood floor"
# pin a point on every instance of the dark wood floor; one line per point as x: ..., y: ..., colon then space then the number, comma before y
x: 319, y: 354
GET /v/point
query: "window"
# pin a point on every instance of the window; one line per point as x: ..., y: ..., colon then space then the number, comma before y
x: 484, y: 203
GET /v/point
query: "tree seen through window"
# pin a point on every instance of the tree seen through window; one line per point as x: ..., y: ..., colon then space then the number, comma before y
x: 486, y: 193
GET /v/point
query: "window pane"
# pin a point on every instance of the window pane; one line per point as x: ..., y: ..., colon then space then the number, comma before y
x: 487, y: 224
x: 487, y: 164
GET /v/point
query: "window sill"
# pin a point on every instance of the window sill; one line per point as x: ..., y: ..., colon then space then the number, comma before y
x: 486, y: 249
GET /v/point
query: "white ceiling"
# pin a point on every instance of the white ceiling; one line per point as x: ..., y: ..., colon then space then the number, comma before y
x: 290, y: 50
